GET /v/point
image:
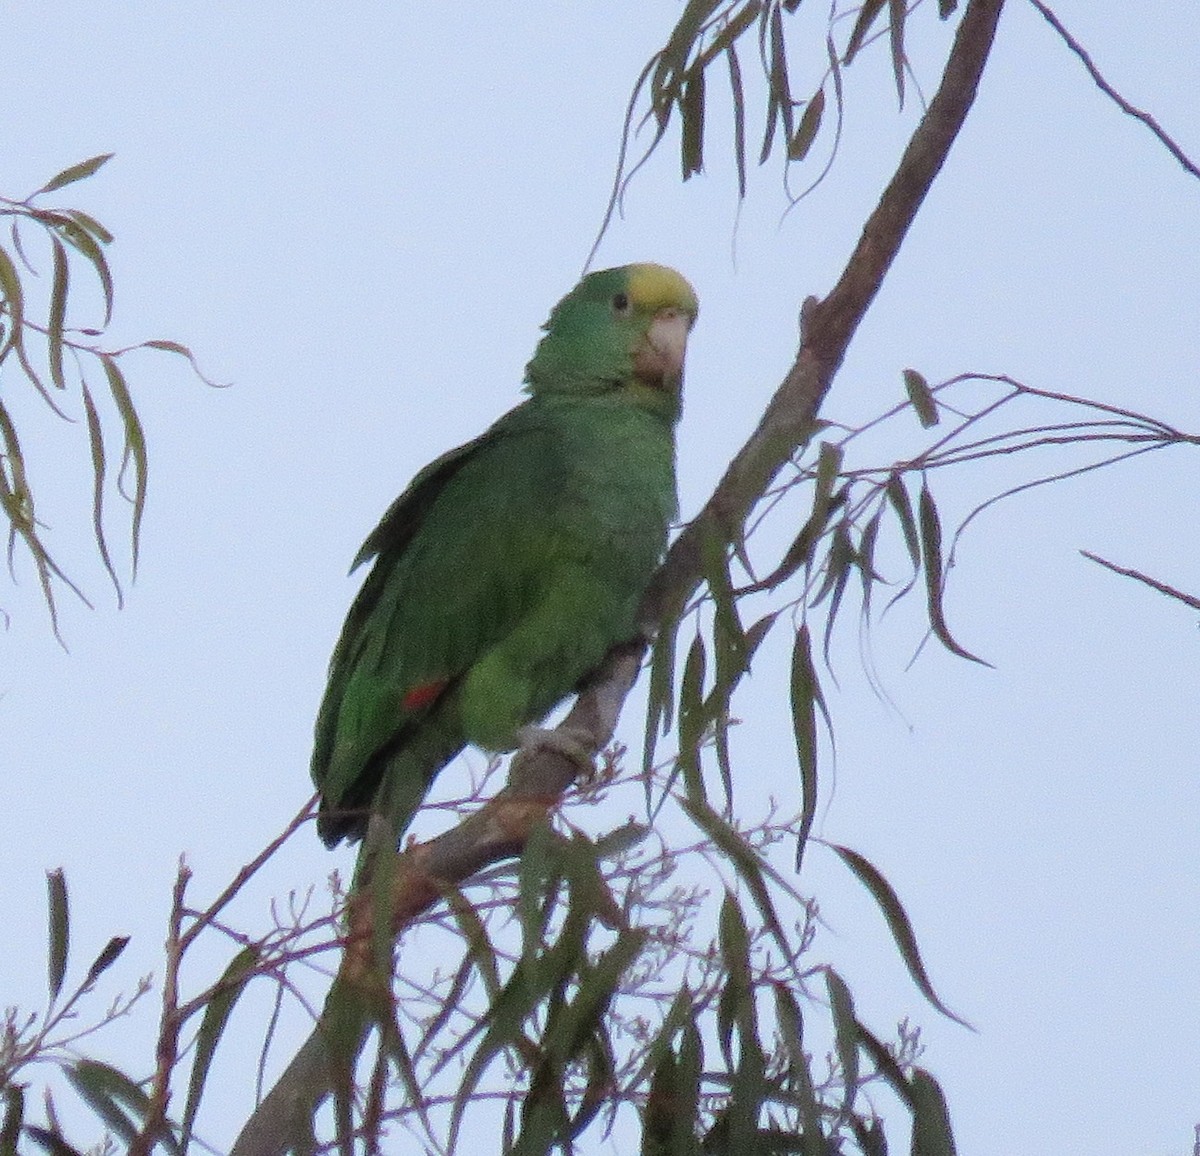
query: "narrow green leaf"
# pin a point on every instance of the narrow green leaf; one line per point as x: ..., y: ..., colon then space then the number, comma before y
x: 829, y: 466
x: 85, y: 243
x: 621, y: 840
x: 691, y: 111
x: 14, y: 304
x: 898, y: 923
x: 479, y: 946
x: 76, y: 172
x: 772, y: 118
x: 116, y: 1084
x: 135, y: 452
x: 167, y: 346
x: 691, y: 1073
x: 747, y: 1089
x: 778, y: 74
x: 866, y: 559
x: 736, y: 1006
x: 183, y: 351
x: 866, y: 17
x: 896, y: 14
x: 109, y: 955
x: 600, y: 1066
x: 730, y: 32
x: 57, y: 315
x: 672, y: 1105
x: 508, y: 1130
x: 505, y: 1016
x: 60, y: 930
x: 734, y: 938
x: 99, y: 470
x: 931, y: 1135
x: 347, y: 1019
x: 717, y: 707
x: 678, y: 1015
x: 869, y: 1136
x: 14, y: 1116
x: 825, y: 505
x: 16, y: 501
x: 227, y: 992
x: 845, y: 1027
x: 885, y: 1064
x: 392, y: 1044
x: 805, y: 692
x: 897, y: 496
x: 810, y: 123
x: 50, y: 1141
x: 538, y: 878
x: 750, y: 867
x: 543, y: 1114
x: 666, y: 81
x: 790, y: 1022
x: 839, y: 561
x: 728, y: 634
x: 92, y: 1084
x: 779, y: 97
x: 729, y: 651
x: 931, y: 550
x: 738, y: 97
x: 598, y: 984
x: 89, y: 225
x: 921, y: 398
x: 735, y: 944
x: 757, y: 632
x: 692, y: 718
x: 661, y: 694
x: 19, y: 501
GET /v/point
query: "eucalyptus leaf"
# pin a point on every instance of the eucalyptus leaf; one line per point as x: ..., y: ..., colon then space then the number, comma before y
x: 60, y: 930
x: 76, y: 172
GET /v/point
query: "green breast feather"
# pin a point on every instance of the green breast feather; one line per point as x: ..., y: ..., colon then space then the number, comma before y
x: 509, y: 566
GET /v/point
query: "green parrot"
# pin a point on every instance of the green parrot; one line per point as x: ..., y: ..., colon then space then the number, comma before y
x: 511, y: 565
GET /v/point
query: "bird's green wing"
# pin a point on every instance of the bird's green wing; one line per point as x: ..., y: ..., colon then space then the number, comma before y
x: 457, y: 561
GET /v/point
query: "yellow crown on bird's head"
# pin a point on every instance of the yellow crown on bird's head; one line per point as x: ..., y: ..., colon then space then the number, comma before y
x: 653, y: 287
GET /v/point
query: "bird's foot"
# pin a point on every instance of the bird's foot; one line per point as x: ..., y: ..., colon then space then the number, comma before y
x: 570, y: 742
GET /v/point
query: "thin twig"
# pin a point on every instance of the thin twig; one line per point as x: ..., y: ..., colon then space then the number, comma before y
x: 243, y: 876
x: 1153, y: 583
x: 1130, y: 110
x: 156, y: 1122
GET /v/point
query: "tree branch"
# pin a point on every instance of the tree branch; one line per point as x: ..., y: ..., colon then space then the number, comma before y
x: 1154, y: 584
x: 1098, y: 78
x: 539, y: 778
x: 828, y: 326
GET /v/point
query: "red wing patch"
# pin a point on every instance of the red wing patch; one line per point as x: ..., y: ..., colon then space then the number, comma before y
x: 422, y: 696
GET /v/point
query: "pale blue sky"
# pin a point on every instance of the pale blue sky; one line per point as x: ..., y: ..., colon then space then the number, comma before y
x: 360, y: 214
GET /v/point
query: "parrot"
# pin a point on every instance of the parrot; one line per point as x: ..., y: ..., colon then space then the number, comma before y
x: 509, y: 566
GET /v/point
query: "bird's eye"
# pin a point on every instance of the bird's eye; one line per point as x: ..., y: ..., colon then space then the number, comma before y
x: 621, y: 303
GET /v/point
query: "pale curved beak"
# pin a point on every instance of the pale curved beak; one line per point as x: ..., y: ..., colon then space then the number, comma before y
x: 659, y: 359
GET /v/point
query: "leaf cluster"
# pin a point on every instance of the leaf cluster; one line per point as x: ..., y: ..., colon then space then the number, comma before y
x: 715, y: 35
x: 73, y: 371
x: 52, y: 1038
x: 599, y: 983
x: 833, y: 525
x: 624, y: 983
